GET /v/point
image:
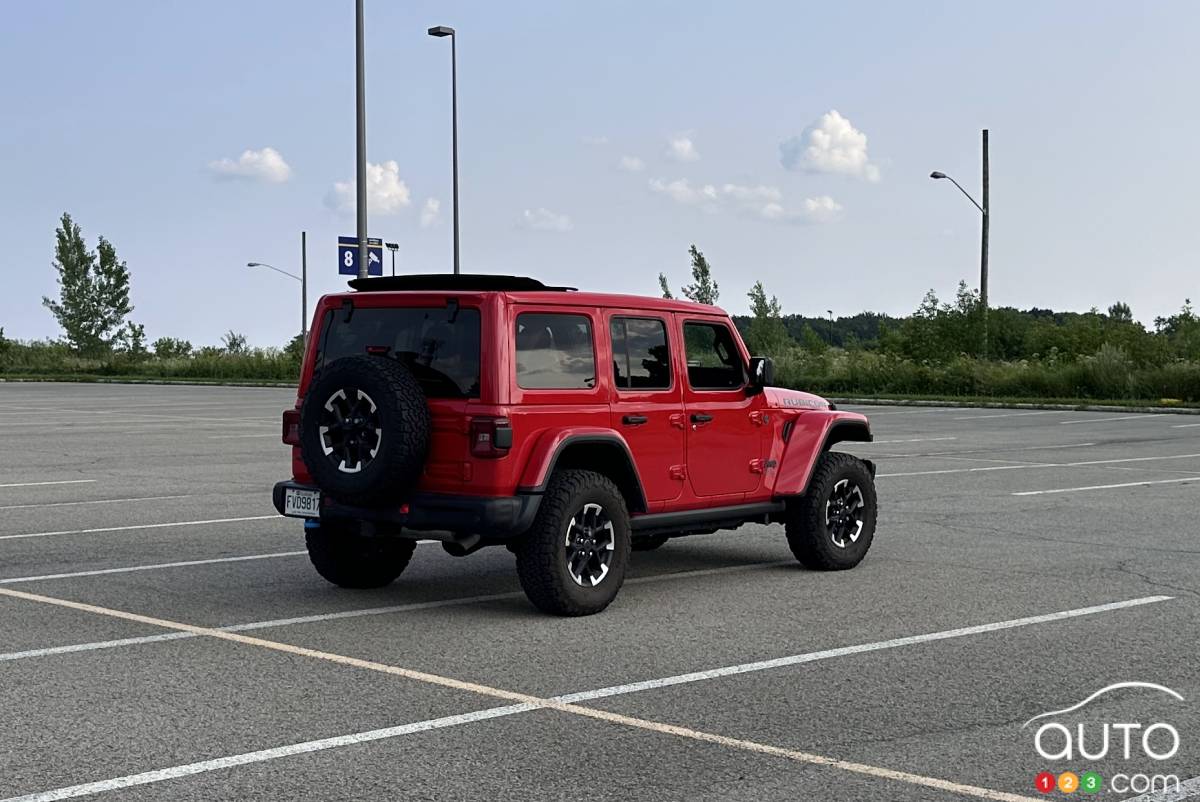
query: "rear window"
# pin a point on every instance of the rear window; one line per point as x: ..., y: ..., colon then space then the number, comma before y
x: 554, y: 351
x: 440, y: 345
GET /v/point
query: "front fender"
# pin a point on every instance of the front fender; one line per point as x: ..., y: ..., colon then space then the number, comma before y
x: 808, y: 436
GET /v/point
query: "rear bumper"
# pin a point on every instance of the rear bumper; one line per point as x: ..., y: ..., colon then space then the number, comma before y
x: 493, y: 519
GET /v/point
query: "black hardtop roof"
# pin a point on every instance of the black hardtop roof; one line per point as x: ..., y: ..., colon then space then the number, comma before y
x: 462, y: 282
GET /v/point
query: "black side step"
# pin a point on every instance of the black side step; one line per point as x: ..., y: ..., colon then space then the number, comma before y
x: 706, y: 519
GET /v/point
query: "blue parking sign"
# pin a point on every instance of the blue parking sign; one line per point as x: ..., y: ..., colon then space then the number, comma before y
x: 348, y: 256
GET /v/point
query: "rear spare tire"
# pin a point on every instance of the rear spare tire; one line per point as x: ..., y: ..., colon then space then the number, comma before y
x: 364, y: 430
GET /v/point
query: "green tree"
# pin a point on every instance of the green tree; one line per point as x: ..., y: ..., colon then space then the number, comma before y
x: 171, y: 348
x: 662, y: 285
x: 1121, y: 312
x: 702, y: 290
x: 93, y: 291
x: 234, y: 343
x: 767, y: 333
x: 131, y: 341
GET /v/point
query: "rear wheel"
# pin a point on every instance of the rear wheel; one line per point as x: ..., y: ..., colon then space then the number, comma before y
x: 349, y: 559
x: 573, y: 559
x: 831, y: 526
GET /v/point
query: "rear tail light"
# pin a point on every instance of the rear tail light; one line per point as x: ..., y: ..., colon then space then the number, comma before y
x: 490, y: 437
x: 291, y: 427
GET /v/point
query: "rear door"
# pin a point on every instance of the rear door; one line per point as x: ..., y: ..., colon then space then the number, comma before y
x: 724, y: 443
x: 647, y: 406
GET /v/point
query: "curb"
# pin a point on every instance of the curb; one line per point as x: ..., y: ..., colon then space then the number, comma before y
x: 910, y: 402
x: 111, y: 380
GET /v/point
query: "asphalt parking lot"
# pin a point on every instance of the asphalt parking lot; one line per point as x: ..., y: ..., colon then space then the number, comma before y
x: 163, y: 637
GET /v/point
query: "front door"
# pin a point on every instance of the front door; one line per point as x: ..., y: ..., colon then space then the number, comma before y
x: 724, y: 443
x: 647, y: 402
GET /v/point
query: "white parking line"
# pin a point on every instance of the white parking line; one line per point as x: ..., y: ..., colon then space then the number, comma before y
x: 318, y: 617
x: 1184, y: 425
x: 1183, y: 480
x: 148, y: 567
x: 1082, y: 464
x: 526, y: 702
x: 913, y: 440
x: 143, y: 526
x: 1014, y: 414
x: 43, y: 484
x: 989, y: 450
x: 94, y: 501
x: 1137, y: 416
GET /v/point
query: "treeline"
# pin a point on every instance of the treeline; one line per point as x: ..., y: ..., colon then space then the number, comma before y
x: 939, y: 350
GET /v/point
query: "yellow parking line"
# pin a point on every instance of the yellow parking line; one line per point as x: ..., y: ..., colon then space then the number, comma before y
x: 521, y: 698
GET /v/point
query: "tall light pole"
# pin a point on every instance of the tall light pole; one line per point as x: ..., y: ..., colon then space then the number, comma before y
x: 440, y: 31
x: 393, y: 247
x: 830, y: 311
x: 304, y: 284
x: 984, y: 210
x: 303, y: 279
x: 360, y: 81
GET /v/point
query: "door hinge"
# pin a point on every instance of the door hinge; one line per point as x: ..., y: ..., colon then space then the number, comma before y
x: 759, y: 418
x: 678, y: 471
x: 756, y: 466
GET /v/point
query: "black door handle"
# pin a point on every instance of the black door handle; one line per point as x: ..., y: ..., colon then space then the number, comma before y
x: 701, y: 418
x: 634, y: 420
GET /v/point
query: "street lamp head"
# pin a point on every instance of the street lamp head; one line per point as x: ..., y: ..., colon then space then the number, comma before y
x: 253, y: 264
x: 441, y: 30
x: 936, y: 174
x: 391, y: 246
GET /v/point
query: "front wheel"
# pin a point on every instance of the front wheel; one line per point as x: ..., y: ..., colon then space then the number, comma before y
x: 349, y: 559
x: 831, y: 526
x: 573, y: 559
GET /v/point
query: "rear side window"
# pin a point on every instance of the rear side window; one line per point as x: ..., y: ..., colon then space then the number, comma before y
x: 555, y: 351
x: 440, y: 345
x: 640, y: 357
x: 713, y: 360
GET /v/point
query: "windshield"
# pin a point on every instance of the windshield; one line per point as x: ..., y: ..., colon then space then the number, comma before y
x: 440, y: 345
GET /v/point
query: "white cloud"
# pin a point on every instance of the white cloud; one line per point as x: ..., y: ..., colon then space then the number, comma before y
x: 830, y: 145
x: 429, y: 212
x: 595, y: 141
x: 682, y: 149
x: 761, y: 201
x: 386, y: 191
x: 254, y: 165
x: 631, y: 164
x: 542, y: 219
x: 681, y: 191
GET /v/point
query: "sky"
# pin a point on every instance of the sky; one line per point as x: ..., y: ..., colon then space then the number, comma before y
x: 790, y: 141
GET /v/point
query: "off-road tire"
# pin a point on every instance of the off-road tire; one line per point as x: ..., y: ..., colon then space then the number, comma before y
x: 349, y: 559
x: 811, y: 538
x: 650, y: 542
x: 403, y: 419
x: 542, y: 552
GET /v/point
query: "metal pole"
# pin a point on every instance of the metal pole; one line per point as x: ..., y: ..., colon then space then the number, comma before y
x: 304, y: 285
x: 361, y: 122
x: 454, y: 136
x: 983, y: 257
x: 830, y: 311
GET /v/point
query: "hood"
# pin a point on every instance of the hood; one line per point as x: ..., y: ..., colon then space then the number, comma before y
x: 779, y: 398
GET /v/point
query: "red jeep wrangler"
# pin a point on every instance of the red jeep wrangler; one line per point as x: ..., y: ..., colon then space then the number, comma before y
x: 569, y: 426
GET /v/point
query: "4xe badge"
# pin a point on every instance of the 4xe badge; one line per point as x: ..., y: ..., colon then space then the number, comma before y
x: 1078, y: 738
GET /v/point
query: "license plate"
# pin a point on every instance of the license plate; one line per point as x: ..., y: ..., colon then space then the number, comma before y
x: 301, y: 503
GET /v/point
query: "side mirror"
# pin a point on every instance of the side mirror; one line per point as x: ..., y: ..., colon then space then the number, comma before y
x: 762, y: 372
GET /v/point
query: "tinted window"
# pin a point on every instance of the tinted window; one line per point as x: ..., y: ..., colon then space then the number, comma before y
x: 713, y: 360
x: 439, y: 345
x: 555, y: 352
x: 640, y: 357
